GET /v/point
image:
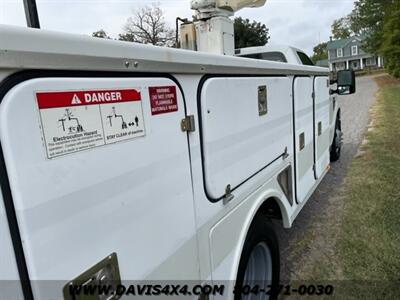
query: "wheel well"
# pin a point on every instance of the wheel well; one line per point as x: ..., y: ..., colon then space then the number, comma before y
x: 270, y: 209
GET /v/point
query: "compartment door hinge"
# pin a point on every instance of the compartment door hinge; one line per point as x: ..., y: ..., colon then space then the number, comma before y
x: 187, y: 124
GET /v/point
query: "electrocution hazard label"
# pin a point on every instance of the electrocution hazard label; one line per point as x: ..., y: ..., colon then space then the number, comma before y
x: 73, y: 121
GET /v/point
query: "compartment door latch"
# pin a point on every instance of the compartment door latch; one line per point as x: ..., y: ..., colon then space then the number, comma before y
x: 104, y: 274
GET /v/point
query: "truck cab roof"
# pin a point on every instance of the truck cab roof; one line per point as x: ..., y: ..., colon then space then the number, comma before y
x: 276, y: 52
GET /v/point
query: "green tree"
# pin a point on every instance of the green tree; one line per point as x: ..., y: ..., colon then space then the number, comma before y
x: 250, y: 34
x: 341, y: 28
x: 101, y: 34
x: 367, y: 18
x: 320, y: 52
x: 127, y: 37
x: 390, y: 46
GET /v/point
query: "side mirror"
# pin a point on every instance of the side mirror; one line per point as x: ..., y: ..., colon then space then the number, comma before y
x: 346, y: 82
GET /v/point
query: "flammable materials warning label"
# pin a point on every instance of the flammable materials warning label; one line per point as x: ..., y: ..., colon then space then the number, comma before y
x: 163, y: 99
x: 74, y: 121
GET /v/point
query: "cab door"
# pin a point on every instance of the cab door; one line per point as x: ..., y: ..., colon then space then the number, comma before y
x: 304, y: 136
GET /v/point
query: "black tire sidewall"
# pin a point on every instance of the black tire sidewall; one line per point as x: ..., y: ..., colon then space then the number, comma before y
x: 335, y: 150
x: 261, y: 230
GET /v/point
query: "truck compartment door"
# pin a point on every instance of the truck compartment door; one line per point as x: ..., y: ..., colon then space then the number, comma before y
x: 322, y: 107
x: 96, y: 166
x: 246, y: 126
x: 304, y: 136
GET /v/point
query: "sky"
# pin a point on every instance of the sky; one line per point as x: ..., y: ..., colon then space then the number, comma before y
x: 299, y: 23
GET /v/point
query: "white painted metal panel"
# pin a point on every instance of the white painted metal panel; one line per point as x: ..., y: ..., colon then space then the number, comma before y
x: 237, y: 142
x: 126, y: 197
x: 322, y: 108
x: 303, y: 103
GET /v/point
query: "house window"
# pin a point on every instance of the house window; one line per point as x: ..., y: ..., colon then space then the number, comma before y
x: 354, y: 50
x: 370, y: 61
x: 340, y: 66
x: 339, y: 52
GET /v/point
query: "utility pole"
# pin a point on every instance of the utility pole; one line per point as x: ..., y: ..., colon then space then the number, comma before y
x: 31, y: 13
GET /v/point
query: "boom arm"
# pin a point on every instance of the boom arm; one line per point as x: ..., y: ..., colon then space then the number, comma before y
x: 231, y: 6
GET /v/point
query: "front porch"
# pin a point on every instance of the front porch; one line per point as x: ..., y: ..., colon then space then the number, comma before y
x: 357, y: 64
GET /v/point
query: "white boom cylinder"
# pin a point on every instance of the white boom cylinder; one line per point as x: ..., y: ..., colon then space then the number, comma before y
x: 212, y: 30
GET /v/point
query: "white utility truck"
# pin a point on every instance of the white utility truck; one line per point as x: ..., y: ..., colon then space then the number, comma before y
x: 124, y: 162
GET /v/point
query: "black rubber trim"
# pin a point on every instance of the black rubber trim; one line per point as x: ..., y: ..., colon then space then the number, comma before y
x: 5, y: 86
x: 294, y: 143
x: 199, y: 90
x: 314, y: 135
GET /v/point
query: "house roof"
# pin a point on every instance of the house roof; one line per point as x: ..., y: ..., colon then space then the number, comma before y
x: 342, y: 42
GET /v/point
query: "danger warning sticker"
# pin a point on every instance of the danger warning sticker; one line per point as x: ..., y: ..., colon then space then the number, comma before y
x: 78, y: 120
x: 163, y: 99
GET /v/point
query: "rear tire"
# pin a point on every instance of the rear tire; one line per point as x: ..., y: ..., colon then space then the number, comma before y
x: 260, y: 263
x: 336, y: 146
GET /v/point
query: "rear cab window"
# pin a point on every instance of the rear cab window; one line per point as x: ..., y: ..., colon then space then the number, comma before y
x: 305, y: 60
x: 273, y: 56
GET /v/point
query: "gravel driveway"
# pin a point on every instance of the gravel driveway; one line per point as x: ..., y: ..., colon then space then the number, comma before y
x: 312, y: 236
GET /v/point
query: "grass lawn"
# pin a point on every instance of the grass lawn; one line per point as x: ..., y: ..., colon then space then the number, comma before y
x: 369, y: 243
